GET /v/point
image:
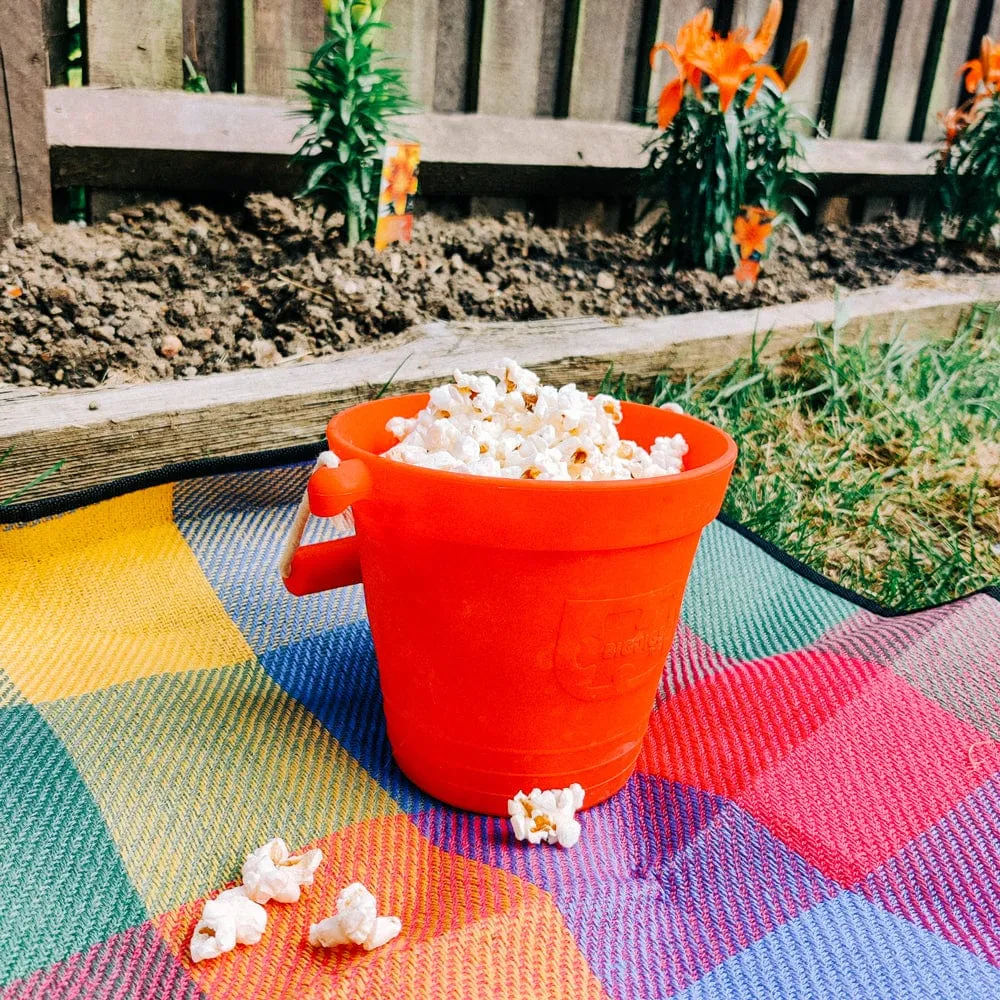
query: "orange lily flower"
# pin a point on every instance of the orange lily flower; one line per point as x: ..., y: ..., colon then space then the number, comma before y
x: 400, y: 175
x: 727, y: 62
x: 690, y: 38
x: 669, y: 103
x: 752, y: 230
x: 764, y: 38
x: 954, y: 122
x: 747, y: 272
x: 984, y: 71
x: 795, y: 61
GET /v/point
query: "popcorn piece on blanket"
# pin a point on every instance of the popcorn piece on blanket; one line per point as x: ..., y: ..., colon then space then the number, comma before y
x: 271, y: 873
x: 355, y: 922
x: 507, y: 424
x: 547, y: 816
x: 226, y: 921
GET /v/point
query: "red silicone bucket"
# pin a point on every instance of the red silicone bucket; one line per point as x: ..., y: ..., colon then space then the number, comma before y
x: 520, y: 627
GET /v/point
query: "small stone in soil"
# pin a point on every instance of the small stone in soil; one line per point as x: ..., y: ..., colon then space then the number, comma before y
x: 605, y: 280
x: 171, y: 346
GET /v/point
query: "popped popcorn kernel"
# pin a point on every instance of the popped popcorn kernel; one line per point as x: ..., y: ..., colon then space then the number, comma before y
x: 271, y: 872
x: 547, y: 816
x: 507, y: 424
x: 355, y: 922
x: 230, y: 919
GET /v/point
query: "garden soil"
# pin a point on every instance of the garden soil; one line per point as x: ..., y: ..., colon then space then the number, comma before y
x: 172, y: 291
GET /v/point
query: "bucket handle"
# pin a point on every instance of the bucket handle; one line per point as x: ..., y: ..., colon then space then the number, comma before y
x: 333, y: 487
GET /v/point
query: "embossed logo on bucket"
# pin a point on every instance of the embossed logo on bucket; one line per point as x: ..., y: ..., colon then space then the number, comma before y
x: 610, y: 647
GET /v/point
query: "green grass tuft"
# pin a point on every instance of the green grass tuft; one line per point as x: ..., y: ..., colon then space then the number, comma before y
x: 877, y: 464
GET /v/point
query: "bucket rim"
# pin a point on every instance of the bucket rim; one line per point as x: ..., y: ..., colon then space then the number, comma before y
x: 345, y: 448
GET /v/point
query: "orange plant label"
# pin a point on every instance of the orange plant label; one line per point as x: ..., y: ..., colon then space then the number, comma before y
x: 397, y: 188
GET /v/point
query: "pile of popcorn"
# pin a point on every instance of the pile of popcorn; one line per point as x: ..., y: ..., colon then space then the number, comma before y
x: 508, y: 424
x: 237, y: 915
x: 547, y: 816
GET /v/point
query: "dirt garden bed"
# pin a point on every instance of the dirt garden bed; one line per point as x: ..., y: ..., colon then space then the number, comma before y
x: 266, y: 285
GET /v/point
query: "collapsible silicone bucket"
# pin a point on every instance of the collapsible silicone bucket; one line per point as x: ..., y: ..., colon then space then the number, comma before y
x: 520, y: 627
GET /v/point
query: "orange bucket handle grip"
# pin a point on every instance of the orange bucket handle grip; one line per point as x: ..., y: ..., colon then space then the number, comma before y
x: 310, y: 569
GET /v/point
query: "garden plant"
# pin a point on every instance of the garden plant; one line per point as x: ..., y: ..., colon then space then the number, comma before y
x: 725, y: 165
x: 965, y: 201
x: 355, y: 97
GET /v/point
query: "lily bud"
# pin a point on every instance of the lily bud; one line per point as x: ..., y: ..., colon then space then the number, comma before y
x: 795, y: 61
x: 364, y: 11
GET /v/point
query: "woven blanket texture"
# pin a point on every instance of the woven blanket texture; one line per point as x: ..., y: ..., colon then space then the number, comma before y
x: 815, y: 812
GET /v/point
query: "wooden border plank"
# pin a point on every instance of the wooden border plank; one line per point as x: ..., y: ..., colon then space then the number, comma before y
x: 24, y: 72
x: 108, y: 433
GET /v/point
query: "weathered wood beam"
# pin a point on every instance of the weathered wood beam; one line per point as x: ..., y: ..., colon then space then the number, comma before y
x: 104, y: 434
x: 237, y: 142
x: 25, y: 193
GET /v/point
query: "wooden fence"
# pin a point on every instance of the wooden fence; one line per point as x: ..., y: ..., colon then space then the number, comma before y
x: 879, y: 69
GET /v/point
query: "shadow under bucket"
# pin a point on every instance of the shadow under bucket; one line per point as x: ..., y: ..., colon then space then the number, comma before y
x: 520, y: 627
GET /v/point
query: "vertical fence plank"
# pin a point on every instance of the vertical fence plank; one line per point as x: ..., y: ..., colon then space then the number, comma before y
x: 25, y: 185
x: 511, y: 57
x: 132, y: 43
x: 904, y: 73
x: 306, y: 28
x: 954, y: 49
x: 673, y: 13
x: 604, y: 60
x: 994, y: 31
x: 56, y: 31
x: 860, y: 68
x: 814, y: 19
x: 135, y: 43
x: 10, y: 192
x: 209, y: 38
x: 451, y: 60
x: 553, y: 23
x: 279, y: 36
x: 412, y: 43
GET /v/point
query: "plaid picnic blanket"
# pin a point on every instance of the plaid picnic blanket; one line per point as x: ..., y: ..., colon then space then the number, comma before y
x: 815, y: 813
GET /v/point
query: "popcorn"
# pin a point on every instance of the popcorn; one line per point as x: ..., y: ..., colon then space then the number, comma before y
x: 271, y: 873
x: 251, y: 917
x: 230, y: 919
x: 355, y: 922
x: 517, y: 428
x: 214, y: 934
x: 547, y: 816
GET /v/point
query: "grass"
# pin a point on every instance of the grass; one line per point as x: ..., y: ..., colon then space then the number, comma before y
x: 40, y: 478
x: 876, y: 464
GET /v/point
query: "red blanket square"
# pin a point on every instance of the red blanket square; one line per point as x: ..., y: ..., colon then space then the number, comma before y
x: 880, y: 772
